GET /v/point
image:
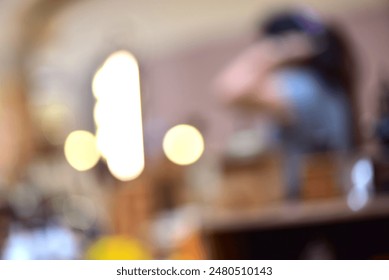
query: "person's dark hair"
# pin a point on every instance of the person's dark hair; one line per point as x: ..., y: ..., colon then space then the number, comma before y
x: 333, y: 61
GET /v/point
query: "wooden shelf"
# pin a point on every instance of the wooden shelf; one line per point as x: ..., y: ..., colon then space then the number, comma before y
x: 326, y: 229
x: 292, y: 214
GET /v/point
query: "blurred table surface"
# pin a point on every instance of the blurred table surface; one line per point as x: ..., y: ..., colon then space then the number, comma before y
x: 292, y: 214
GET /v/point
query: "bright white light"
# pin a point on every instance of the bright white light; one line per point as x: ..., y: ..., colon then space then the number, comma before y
x: 118, y: 115
x: 362, y: 173
x: 81, y: 151
x: 118, y: 75
x: 183, y: 144
x: 103, y: 141
x: 361, y: 177
x: 99, y: 113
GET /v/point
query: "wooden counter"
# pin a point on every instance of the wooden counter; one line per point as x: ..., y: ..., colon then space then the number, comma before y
x: 287, y: 231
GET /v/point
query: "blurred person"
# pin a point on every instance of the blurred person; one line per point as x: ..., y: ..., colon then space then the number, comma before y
x: 301, y: 73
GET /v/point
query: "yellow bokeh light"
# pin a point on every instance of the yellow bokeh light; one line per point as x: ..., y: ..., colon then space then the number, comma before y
x: 117, y: 248
x: 118, y: 115
x: 183, y: 144
x: 81, y: 151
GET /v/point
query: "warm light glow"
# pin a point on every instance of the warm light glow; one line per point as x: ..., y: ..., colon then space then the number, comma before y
x: 118, y: 115
x: 183, y: 144
x: 81, y: 151
x: 53, y: 120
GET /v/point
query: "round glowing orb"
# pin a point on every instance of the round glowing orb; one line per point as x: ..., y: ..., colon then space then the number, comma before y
x: 81, y: 151
x: 183, y: 144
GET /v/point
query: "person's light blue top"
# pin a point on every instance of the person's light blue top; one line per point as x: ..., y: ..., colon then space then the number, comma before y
x: 322, y: 118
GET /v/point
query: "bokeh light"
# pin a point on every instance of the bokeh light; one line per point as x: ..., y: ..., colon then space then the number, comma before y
x: 117, y: 248
x: 81, y: 151
x: 54, y: 119
x: 118, y: 115
x: 361, y: 177
x: 183, y: 144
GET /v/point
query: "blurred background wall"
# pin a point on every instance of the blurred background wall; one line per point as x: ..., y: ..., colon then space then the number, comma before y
x: 55, y: 48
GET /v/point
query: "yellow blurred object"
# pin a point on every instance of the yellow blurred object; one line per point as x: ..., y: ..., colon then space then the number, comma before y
x: 117, y: 248
x: 183, y: 144
x: 81, y: 151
